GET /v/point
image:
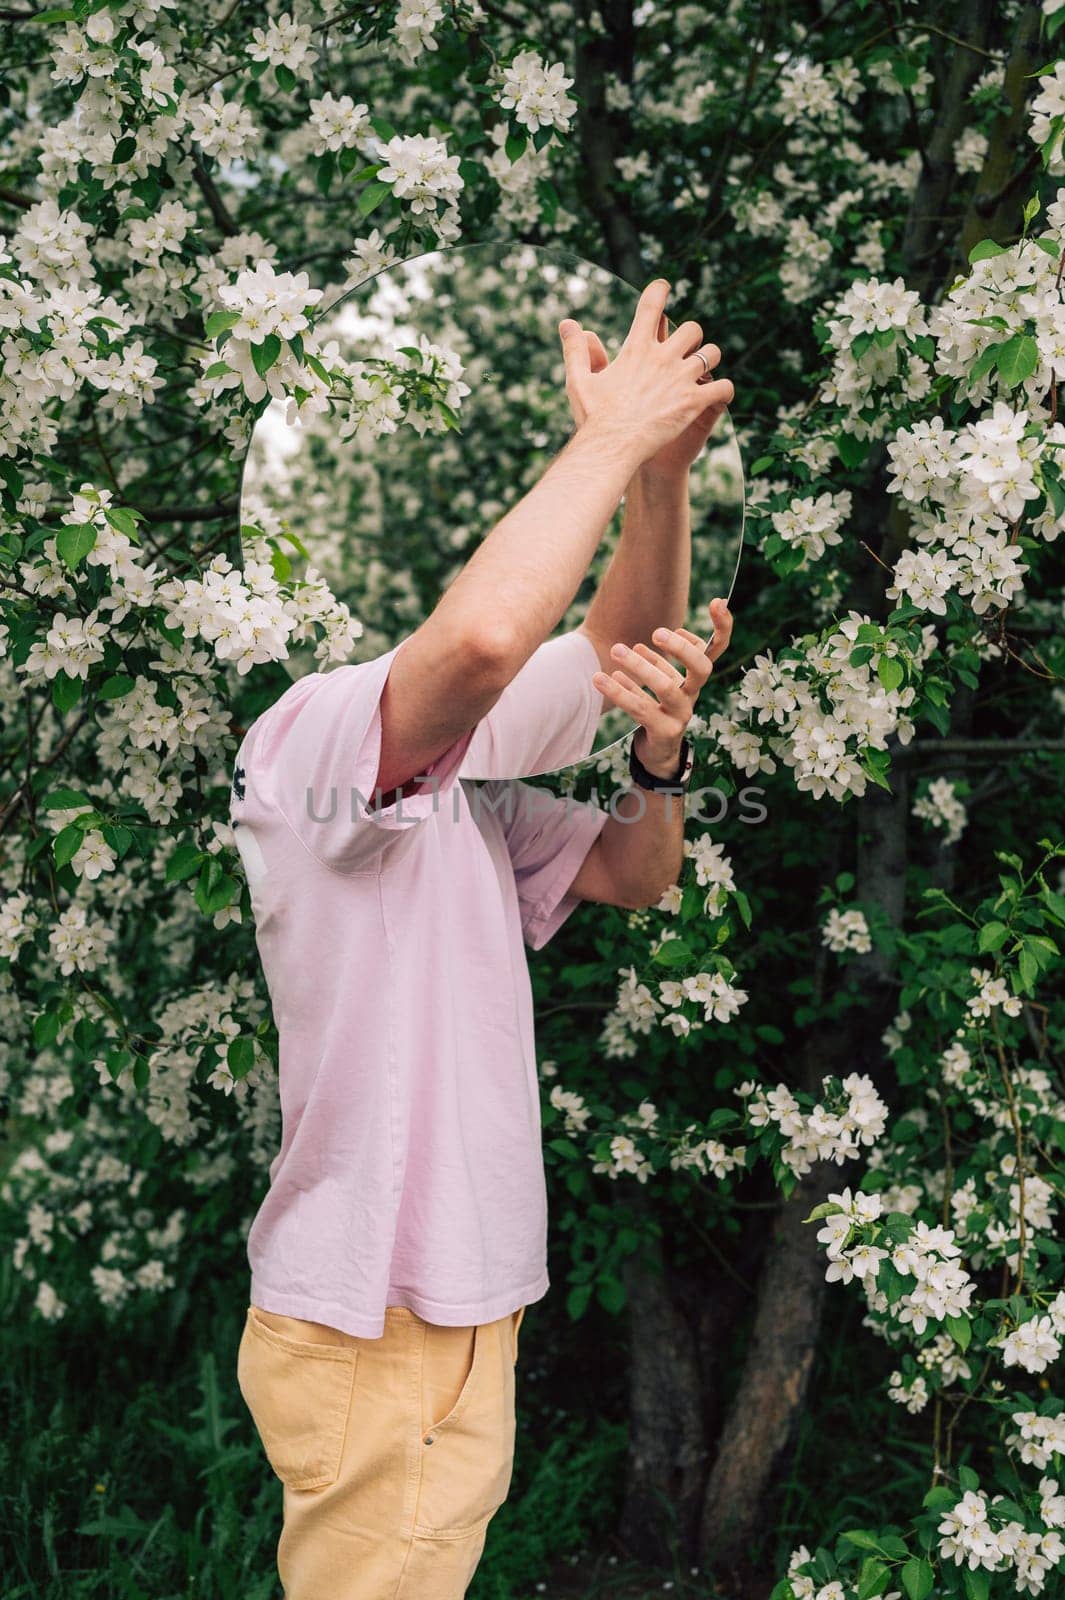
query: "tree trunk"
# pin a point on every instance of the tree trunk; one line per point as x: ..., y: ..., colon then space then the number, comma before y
x: 667, y: 1452
x: 603, y: 134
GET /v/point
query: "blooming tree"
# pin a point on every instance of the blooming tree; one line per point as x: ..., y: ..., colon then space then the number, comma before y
x: 844, y: 1020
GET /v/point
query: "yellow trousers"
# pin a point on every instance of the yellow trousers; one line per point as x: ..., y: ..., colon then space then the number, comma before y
x: 394, y: 1453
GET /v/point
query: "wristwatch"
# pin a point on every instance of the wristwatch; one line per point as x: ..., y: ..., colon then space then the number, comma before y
x: 677, y: 784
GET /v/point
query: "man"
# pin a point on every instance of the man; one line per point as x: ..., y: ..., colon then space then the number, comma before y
x: 404, y: 1230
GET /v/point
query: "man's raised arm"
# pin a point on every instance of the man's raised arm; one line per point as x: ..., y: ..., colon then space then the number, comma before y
x: 521, y: 580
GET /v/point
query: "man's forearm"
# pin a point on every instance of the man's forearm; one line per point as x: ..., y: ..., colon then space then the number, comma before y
x: 642, y: 846
x: 519, y: 583
x: 646, y: 583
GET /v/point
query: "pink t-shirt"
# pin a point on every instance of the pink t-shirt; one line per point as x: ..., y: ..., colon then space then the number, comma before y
x: 411, y: 1168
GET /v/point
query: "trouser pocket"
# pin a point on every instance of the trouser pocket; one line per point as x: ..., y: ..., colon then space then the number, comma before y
x: 468, y: 1456
x: 519, y: 1316
x: 299, y: 1393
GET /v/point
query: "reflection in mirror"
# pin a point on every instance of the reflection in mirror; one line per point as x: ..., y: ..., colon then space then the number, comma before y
x: 387, y: 494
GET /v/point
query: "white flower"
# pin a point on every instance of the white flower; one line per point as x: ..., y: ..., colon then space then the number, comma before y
x: 1033, y: 1345
x: 338, y: 123
x: 420, y: 170
x: 846, y: 930
x: 536, y: 93
x: 284, y: 43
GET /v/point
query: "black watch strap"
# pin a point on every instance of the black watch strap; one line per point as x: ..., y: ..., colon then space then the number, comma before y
x: 677, y: 784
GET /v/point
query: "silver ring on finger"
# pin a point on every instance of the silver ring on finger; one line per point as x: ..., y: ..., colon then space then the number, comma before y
x: 706, y: 367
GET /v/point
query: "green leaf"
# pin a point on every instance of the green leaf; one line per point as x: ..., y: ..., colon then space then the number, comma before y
x: 66, y: 844
x: 114, y: 687
x: 577, y: 1301
x: 890, y: 671
x: 219, y: 322
x: 265, y: 353
x: 863, y: 1539
x: 183, y: 863
x: 240, y: 1056
x: 873, y: 1578
x: 371, y: 197
x: 674, y: 953
x: 1054, y: 488
x: 123, y: 519
x: 892, y: 1282
x: 960, y: 1330
x: 939, y: 1498
x: 918, y: 1578
x: 285, y: 77
x: 1017, y: 359
x: 45, y: 1028
x: 66, y: 691
x: 515, y: 146
x: 875, y: 770
x: 610, y: 1292
x: 214, y: 887
x: 761, y: 464
x: 987, y: 359
x: 977, y: 1583
x: 992, y: 936
x: 63, y: 799
x: 827, y: 1208
x: 74, y: 541
x: 383, y: 129
x: 116, y: 1062
x: 852, y: 451
x: 326, y: 169
x: 986, y: 248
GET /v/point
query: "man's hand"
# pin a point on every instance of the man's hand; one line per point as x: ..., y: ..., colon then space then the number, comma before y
x: 676, y: 457
x: 654, y: 388
x: 664, y: 714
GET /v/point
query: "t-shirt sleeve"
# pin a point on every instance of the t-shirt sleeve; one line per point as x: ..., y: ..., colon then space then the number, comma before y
x: 315, y: 759
x: 548, y: 837
x: 546, y: 716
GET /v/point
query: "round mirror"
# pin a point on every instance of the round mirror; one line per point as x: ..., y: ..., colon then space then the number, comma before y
x: 386, y: 494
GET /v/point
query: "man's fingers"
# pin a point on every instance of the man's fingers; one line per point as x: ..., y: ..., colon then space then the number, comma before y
x: 688, y: 648
x: 648, y: 312
x: 620, y: 690
x: 722, y: 631
x: 688, y: 338
x: 574, y: 348
x: 653, y: 671
x: 596, y: 352
x: 718, y: 394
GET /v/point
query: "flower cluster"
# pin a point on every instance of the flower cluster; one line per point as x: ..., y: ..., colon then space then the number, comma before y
x: 909, y: 1270
x: 799, y: 1129
x: 939, y: 805
x: 846, y: 930
x: 536, y: 93
x: 977, y: 1535
x: 820, y: 712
